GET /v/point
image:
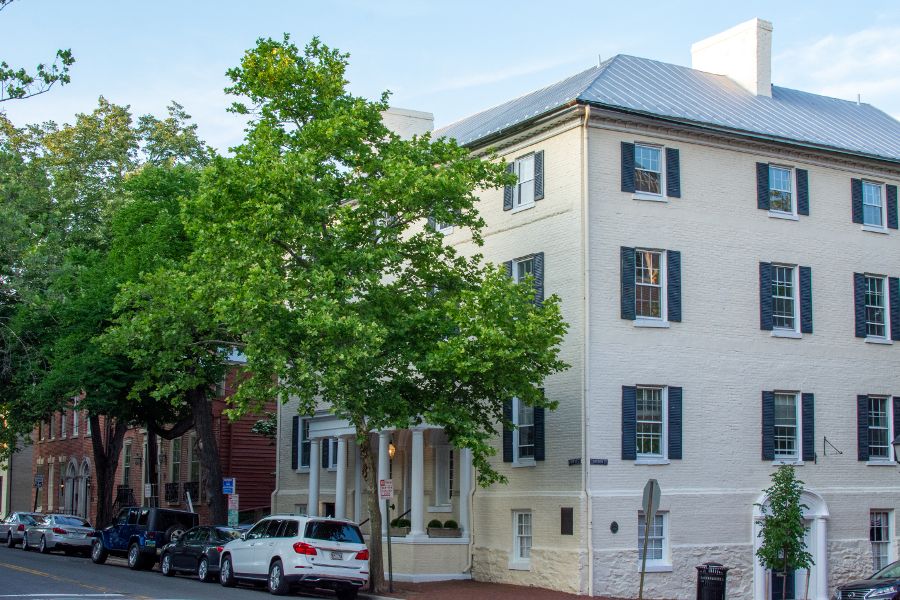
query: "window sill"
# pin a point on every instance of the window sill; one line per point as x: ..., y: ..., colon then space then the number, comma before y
x: 302, y: 471
x: 774, y: 214
x: 519, y: 565
x: 878, y: 340
x: 787, y: 333
x: 657, y: 567
x: 652, y: 461
x: 794, y: 462
x: 446, y: 230
x: 884, y: 462
x: 522, y: 207
x: 524, y: 463
x: 652, y: 323
x: 649, y: 197
x: 443, y: 508
x: 875, y: 229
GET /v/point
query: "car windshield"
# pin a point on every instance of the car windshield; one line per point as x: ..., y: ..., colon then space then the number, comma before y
x: 224, y: 534
x: 334, y: 532
x: 892, y: 571
x: 166, y: 519
x: 72, y: 521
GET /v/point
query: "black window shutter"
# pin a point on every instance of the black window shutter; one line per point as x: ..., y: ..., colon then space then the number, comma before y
x: 295, y: 434
x: 508, y: 190
x: 507, y: 432
x: 627, y: 167
x: 894, y: 299
x: 673, y: 173
x: 673, y: 282
x: 806, y: 314
x: 768, y: 425
x: 802, y: 192
x: 539, y: 278
x: 326, y: 449
x: 629, y: 422
x: 539, y: 432
x: 862, y: 427
x: 539, y: 175
x: 762, y: 186
x: 627, y: 283
x: 508, y: 265
x: 808, y: 413
x: 896, y: 407
x: 891, y: 197
x: 856, y: 196
x: 675, y: 411
x: 765, y: 296
x: 859, y: 303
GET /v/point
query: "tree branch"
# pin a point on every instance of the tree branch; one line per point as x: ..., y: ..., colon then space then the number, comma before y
x: 177, y: 430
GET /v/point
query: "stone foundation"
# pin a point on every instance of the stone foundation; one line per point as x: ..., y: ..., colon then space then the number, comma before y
x: 561, y: 570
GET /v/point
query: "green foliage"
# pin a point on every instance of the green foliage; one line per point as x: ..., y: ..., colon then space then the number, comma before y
x: 783, y: 548
x: 400, y: 523
x: 267, y: 426
x: 435, y: 523
x: 451, y: 524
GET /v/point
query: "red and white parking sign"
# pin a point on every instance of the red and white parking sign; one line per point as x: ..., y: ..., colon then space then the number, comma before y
x: 385, y: 489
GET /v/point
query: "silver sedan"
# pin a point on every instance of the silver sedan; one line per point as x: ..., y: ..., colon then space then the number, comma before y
x: 60, y: 532
x: 12, y: 528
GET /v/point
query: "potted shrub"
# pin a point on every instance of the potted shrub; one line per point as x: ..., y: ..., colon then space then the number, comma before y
x: 399, y: 527
x: 447, y: 529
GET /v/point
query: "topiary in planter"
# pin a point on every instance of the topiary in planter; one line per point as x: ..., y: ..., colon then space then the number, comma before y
x: 434, y: 524
x: 451, y: 524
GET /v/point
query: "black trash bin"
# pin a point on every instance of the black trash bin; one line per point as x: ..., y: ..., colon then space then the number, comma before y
x: 711, y: 581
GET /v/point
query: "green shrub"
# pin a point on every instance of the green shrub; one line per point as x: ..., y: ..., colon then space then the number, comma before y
x: 435, y: 524
x: 451, y: 524
x: 403, y: 523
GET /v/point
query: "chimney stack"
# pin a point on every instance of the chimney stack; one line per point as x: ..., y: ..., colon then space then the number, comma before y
x: 742, y: 53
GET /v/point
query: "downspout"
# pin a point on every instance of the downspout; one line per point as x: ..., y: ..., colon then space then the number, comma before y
x: 471, y: 523
x: 278, y: 420
x: 586, y: 351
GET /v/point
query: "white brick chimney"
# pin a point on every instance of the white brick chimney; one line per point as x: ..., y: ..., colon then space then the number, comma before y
x: 742, y: 53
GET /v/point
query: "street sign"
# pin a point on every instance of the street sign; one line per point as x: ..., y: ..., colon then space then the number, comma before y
x: 233, y: 502
x: 38, y: 481
x: 385, y: 489
x: 650, y: 503
x: 232, y: 518
x: 229, y: 485
x: 148, y: 490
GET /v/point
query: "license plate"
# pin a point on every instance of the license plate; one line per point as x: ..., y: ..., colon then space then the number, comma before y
x: 337, y: 556
x: 150, y: 543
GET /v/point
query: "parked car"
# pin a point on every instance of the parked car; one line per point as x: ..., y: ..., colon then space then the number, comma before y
x: 288, y: 551
x: 197, y: 551
x: 883, y: 585
x: 12, y: 528
x: 138, y: 532
x: 59, y: 532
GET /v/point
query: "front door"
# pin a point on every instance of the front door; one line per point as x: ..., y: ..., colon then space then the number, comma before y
x: 779, y: 587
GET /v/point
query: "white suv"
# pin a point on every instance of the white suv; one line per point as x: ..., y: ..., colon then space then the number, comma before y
x: 311, y: 552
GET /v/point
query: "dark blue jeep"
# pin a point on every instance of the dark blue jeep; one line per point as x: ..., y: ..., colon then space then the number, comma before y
x: 138, y: 532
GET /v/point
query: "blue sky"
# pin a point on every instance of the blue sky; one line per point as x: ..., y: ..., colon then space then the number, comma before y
x: 449, y: 58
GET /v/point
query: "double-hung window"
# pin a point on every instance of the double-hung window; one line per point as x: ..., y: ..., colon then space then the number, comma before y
x: 331, y: 446
x: 523, y: 192
x: 649, y: 286
x: 650, y: 423
x: 648, y: 174
x: 787, y: 427
x: 880, y: 537
x: 523, y: 434
x: 876, y: 319
x: 523, y: 267
x: 656, y: 548
x: 75, y: 419
x: 522, y: 538
x: 443, y: 467
x: 781, y: 197
x: 304, y: 443
x: 62, y: 424
x: 873, y: 204
x: 784, y: 297
x: 880, y: 418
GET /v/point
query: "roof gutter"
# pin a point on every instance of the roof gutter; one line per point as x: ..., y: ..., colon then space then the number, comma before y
x: 526, y: 124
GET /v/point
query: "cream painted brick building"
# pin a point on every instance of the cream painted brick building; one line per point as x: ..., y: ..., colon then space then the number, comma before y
x: 714, y: 332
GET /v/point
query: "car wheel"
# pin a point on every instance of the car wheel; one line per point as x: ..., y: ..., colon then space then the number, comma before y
x: 346, y: 594
x: 165, y: 565
x: 98, y: 553
x: 9, y: 541
x: 42, y: 546
x: 25, y: 542
x: 226, y: 573
x: 203, y: 570
x: 277, y: 584
x: 134, y: 558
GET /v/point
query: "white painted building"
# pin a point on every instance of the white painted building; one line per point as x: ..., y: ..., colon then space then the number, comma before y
x: 727, y: 254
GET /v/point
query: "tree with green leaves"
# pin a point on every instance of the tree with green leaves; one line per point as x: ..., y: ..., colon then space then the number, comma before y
x: 18, y: 84
x: 313, y: 244
x: 783, y: 548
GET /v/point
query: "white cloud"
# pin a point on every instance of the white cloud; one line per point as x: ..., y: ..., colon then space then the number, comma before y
x: 865, y: 62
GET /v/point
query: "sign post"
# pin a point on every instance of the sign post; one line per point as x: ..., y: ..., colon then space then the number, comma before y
x: 38, y: 484
x: 229, y: 485
x: 649, y: 505
x: 385, y: 492
x: 229, y: 488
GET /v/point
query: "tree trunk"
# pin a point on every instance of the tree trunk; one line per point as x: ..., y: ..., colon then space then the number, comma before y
x: 209, y: 455
x: 152, y: 467
x: 107, y: 445
x: 370, y: 474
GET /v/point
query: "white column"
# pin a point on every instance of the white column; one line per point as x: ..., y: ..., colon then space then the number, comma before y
x: 465, y: 488
x: 315, y: 460
x: 340, y: 488
x: 821, y: 558
x: 384, y: 438
x: 357, y: 484
x: 417, y: 487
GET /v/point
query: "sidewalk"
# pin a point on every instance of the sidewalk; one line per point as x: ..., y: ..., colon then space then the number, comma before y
x: 473, y: 590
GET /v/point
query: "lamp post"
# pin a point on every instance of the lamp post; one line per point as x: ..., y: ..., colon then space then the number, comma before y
x: 896, y: 445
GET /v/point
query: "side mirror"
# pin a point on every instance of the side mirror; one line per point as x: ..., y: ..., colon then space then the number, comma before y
x: 243, y: 537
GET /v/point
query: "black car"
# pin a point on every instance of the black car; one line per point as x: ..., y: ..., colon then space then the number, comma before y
x: 883, y: 585
x: 138, y: 532
x: 197, y: 551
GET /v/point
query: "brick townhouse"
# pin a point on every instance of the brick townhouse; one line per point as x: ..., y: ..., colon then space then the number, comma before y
x: 727, y: 256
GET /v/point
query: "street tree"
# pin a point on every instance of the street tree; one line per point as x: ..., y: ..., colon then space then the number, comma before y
x: 312, y: 246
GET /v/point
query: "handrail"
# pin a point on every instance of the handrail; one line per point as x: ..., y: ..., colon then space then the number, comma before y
x: 400, y: 517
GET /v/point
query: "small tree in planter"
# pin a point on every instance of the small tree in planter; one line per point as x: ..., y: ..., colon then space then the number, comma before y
x: 783, y: 548
x: 448, y: 529
x: 399, y: 527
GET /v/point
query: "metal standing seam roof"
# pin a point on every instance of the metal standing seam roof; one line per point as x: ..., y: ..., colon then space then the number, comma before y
x: 671, y: 91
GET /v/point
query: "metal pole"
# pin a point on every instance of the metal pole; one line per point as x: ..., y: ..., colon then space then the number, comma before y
x: 37, y: 492
x: 646, y: 536
x: 387, y: 512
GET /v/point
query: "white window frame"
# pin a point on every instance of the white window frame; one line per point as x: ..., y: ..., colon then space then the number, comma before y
x: 444, y: 467
x: 63, y: 425
x: 303, y: 438
x: 794, y: 331
x: 889, y: 426
x: 522, y: 200
x: 664, y: 563
x: 641, y: 194
x: 881, y: 197
x: 76, y: 425
x: 885, y: 544
x: 663, y: 318
x: 175, y: 459
x: 518, y: 461
x: 126, y: 463
x: 663, y: 455
x: 885, y: 307
x: 332, y: 453
x: 445, y: 228
x: 522, y: 539
x: 515, y: 267
x: 796, y: 457
x: 792, y: 178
